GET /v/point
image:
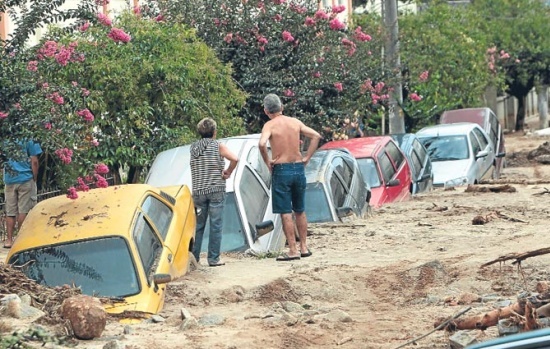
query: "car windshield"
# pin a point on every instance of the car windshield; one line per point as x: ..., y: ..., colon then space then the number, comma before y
x: 317, y: 205
x: 446, y: 148
x: 100, y: 267
x: 234, y: 237
x: 368, y: 169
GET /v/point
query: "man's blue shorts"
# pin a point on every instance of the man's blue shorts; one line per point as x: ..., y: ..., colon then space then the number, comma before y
x: 288, y: 187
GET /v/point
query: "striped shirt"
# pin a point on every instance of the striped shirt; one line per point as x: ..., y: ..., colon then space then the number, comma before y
x: 206, y: 167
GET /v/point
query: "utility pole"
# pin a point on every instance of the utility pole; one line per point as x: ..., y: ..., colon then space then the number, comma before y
x: 396, y: 120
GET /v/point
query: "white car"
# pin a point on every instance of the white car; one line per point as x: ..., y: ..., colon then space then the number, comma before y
x: 461, y: 153
x: 248, y: 222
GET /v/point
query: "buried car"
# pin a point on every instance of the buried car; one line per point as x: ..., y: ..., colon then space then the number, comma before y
x: 461, y: 153
x: 419, y: 162
x: 248, y: 220
x: 383, y: 166
x: 123, y: 243
x: 335, y: 187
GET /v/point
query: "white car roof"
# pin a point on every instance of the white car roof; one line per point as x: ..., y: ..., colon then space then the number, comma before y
x: 461, y: 128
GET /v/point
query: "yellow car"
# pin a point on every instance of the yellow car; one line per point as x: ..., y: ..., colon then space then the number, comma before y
x: 123, y: 243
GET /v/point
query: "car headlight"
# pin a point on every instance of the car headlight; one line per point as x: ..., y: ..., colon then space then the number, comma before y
x: 456, y: 182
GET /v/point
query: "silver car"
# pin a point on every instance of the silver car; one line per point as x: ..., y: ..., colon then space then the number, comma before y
x: 461, y: 153
x: 248, y: 221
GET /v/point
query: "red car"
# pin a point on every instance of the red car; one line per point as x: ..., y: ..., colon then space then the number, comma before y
x: 383, y: 166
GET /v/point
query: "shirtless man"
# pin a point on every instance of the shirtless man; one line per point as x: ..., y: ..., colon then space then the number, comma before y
x: 287, y: 166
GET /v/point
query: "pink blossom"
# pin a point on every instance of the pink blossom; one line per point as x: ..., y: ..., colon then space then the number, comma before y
x: 86, y: 115
x: 82, y: 186
x: 424, y: 76
x: 159, y: 18
x: 103, y: 19
x: 379, y: 87
x: 84, y: 27
x: 74, y: 83
x: 348, y: 42
x: 101, y: 168
x: 262, y: 48
x: 94, y: 142
x: 56, y: 98
x: 338, y: 86
x: 351, y: 50
x: 360, y: 36
x: 309, y: 21
x: 17, y: 106
x: 415, y: 97
x: 137, y: 10
x: 320, y: 14
x: 504, y: 55
x: 102, y: 2
x: 65, y: 155
x: 277, y: 18
x: 48, y: 125
x: 72, y: 194
x: 101, y: 182
x: 287, y: 36
x: 517, y: 61
x: 319, y: 92
x: 48, y: 49
x: 32, y: 66
x: 118, y: 35
x: 279, y: 2
x: 3, y: 115
x: 289, y: 93
x: 85, y: 92
x: 338, y: 9
x: 317, y: 74
x: 262, y: 40
x: 335, y: 24
x: 298, y: 9
x: 228, y: 38
x: 366, y: 86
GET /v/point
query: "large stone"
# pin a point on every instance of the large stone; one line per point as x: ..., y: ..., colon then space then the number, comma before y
x: 462, y: 339
x: 86, y: 316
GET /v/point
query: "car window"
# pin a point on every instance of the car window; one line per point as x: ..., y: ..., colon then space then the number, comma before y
x: 494, y: 129
x: 256, y: 161
x: 343, y: 169
x: 395, y: 154
x: 476, y: 148
x: 85, y: 264
x: 159, y: 213
x: 446, y: 148
x: 338, y: 191
x: 386, y: 166
x: 416, y: 164
x: 317, y: 205
x: 368, y: 169
x: 420, y: 151
x: 483, y: 141
x: 255, y: 198
x: 148, y: 245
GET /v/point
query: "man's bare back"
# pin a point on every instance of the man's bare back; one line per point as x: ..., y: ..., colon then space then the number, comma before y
x: 284, y: 139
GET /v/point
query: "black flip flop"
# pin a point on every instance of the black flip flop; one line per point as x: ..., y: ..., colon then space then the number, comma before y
x: 285, y: 257
x: 306, y: 254
x: 217, y: 264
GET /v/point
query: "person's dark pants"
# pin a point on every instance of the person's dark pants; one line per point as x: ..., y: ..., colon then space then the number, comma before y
x: 209, y: 205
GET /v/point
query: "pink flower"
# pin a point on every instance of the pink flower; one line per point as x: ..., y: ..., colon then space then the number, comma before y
x: 159, y: 18
x: 317, y: 74
x: 287, y: 36
x: 279, y: 2
x: 335, y: 24
x: 309, y: 21
x: 504, y: 55
x: 56, y: 98
x: 94, y: 142
x: 101, y: 182
x: 48, y: 125
x: 47, y: 50
x: 101, y: 168
x: 360, y: 36
x: 82, y: 186
x: 379, y: 86
x: 289, y: 93
x: 72, y: 194
x: 103, y: 19
x: 137, y: 10
x: 74, y: 83
x: 102, y: 2
x: 415, y: 97
x: 338, y: 9
x: 3, y: 115
x: 84, y: 27
x: 118, y: 35
x: 338, y: 86
x: 228, y: 38
x: 424, y: 76
x: 85, y: 92
x: 32, y: 66
x: 17, y: 106
x: 320, y: 14
x: 86, y: 115
x: 262, y: 40
x: 65, y: 155
x: 277, y: 18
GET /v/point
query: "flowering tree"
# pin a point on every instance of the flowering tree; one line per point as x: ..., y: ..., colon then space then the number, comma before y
x: 321, y: 69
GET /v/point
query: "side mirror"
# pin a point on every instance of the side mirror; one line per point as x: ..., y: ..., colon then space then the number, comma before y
x: 482, y: 154
x: 344, y: 211
x: 393, y: 183
x: 159, y: 279
x: 501, y: 155
x: 263, y: 228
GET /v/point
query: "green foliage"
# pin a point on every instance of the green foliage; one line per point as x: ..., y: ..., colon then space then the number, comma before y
x: 318, y: 72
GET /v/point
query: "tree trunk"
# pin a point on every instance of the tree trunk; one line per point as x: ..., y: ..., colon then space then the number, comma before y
x: 115, y: 170
x: 520, y: 116
x: 134, y: 174
x: 542, y: 94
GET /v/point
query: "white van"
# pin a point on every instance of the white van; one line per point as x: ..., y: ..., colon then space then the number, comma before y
x: 247, y: 210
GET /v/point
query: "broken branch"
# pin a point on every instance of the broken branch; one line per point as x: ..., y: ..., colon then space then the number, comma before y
x: 518, y: 256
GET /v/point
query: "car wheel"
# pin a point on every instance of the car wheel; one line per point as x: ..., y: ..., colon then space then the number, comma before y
x: 192, y: 263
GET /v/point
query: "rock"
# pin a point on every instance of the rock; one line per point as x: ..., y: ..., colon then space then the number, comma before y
x: 468, y: 298
x: 86, y: 316
x: 188, y: 323
x: 543, y: 287
x: 157, y: 318
x: 337, y: 316
x: 506, y: 327
x: 462, y: 339
x: 185, y: 314
x: 128, y: 329
x: 503, y: 304
x: 26, y: 299
x: 211, y: 320
x: 292, y: 307
x: 114, y: 345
